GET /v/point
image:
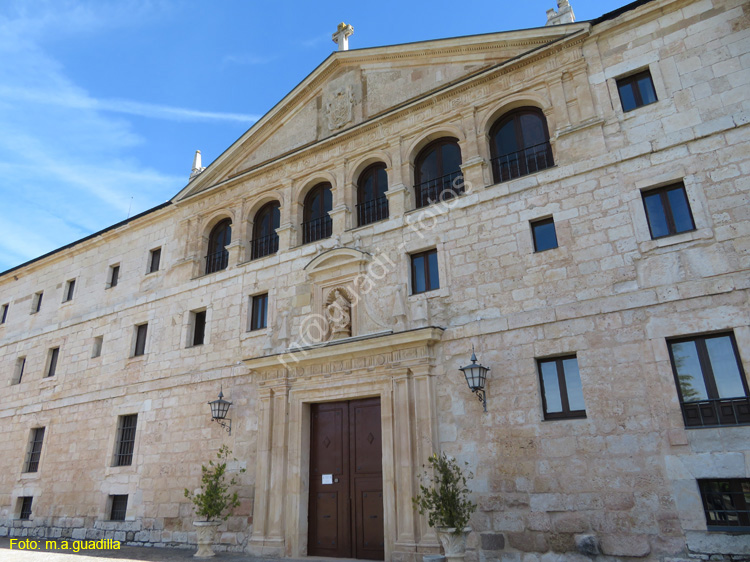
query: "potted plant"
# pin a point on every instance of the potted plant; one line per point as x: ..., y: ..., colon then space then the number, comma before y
x: 213, y: 501
x: 443, y: 496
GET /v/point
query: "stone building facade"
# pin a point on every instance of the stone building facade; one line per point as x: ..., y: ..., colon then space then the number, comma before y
x: 599, y: 267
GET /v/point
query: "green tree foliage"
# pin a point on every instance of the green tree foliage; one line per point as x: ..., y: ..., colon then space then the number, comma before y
x: 214, y: 501
x: 443, y: 495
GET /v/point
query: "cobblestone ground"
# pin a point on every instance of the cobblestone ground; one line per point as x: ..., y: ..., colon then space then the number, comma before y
x: 124, y: 553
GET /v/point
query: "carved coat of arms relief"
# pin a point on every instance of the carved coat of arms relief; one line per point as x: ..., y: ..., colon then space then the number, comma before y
x: 339, y: 109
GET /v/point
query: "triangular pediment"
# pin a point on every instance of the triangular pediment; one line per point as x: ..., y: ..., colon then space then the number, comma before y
x: 357, y: 86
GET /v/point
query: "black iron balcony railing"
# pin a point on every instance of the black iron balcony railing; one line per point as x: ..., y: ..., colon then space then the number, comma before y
x: 439, y: 189
x: 217, y: 261
x: 372, y: 211
x: 264, y: 246
x: 522, y: 162
x: 317, y: 229
x: 722, y: 411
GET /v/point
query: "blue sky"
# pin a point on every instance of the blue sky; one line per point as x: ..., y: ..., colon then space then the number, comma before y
x: 103, y: 103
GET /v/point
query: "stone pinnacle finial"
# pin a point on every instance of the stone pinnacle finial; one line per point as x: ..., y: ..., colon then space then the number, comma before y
x: 197, y: 168
x: 341, y: 37
x: 564, y: 15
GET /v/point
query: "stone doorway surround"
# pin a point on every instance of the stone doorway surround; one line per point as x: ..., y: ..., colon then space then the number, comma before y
x: 396, y: 367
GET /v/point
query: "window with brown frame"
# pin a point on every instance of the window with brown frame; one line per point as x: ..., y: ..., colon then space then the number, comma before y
x: 125, y: 444
x: 668, y: 210
x: 259, y: 312
x: 34, y: 452
x: 424, y: 272
x: 726, y: 503
x: 317, y: 223
x: 543, y: 232
x: 438, y: 174
x: 562, y: 391
x: 636, y: 90
x: 372, y: 204
x: 519, y: 144
x: 710, y: 381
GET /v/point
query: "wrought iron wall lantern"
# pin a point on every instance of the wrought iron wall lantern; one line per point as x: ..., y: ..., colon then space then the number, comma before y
x: 476, y: 377
x: 219, y: 409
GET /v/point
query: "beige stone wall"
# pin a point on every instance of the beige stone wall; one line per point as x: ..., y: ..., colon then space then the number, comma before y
x: 609, y: 294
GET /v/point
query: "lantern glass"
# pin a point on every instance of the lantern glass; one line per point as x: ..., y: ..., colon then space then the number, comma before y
x: 219, y: 408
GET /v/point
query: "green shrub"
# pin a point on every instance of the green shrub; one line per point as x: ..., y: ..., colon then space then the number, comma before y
x: 445, y: 496
x: 214, y: 501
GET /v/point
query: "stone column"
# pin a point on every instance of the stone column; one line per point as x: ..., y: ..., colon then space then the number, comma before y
x: 426, y: 437
x: 404, y: 461
x: 270, y: 473
x: 288, y: 223
x: 262, y: 473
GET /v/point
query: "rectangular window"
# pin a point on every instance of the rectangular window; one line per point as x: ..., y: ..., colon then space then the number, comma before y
x: 125, y: 440
x: 119, y: 507
x: 140, y: 340
x: 424, y: 272
x: 70, y: 287
x: 668, y: 211
x: 562, y: 392
x: 25, y: 512
x: 636, y: 90
x: 726, y: 503
x: 35, y: 450
x: 54, y: 353
x: 259, y: 312
x: 96, y: 351
x: 114, y: 276
x: 36, y: 303
x: 4, y: 313
x: 710, y: 381
x: 154, y: 260
x: 199, y: 327
x: 545, y: 237
x: 18, y: 372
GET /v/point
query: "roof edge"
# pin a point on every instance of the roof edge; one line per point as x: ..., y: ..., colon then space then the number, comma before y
x: 89, y: 237
x: 619, y: 11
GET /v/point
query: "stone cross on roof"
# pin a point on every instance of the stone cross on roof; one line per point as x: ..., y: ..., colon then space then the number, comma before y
x: 341, y: 37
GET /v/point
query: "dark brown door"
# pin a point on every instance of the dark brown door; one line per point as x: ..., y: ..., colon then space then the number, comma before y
x: 346, y: 480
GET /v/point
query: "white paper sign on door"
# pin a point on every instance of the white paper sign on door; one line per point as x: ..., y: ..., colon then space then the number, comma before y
x: 328, y: 479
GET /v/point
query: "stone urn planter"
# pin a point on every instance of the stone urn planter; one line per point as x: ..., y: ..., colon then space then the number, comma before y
x: 444, y: 498
x: 454, y: 542
x: 205, y: 531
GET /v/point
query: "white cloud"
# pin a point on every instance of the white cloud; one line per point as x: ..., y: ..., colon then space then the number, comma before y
x: 68, y: 165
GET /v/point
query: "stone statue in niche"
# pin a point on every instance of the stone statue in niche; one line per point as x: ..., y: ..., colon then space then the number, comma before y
x: 338, y: 312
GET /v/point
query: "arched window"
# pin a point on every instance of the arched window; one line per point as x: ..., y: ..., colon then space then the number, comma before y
x: 372, y: 204
x: 265, y: 240
x: 317, y: 222
x: 438, y: 172
x: 519, y: 143
x: 220, y: 237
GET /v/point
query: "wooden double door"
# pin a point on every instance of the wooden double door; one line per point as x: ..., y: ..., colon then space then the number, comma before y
x: 345, y: 518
